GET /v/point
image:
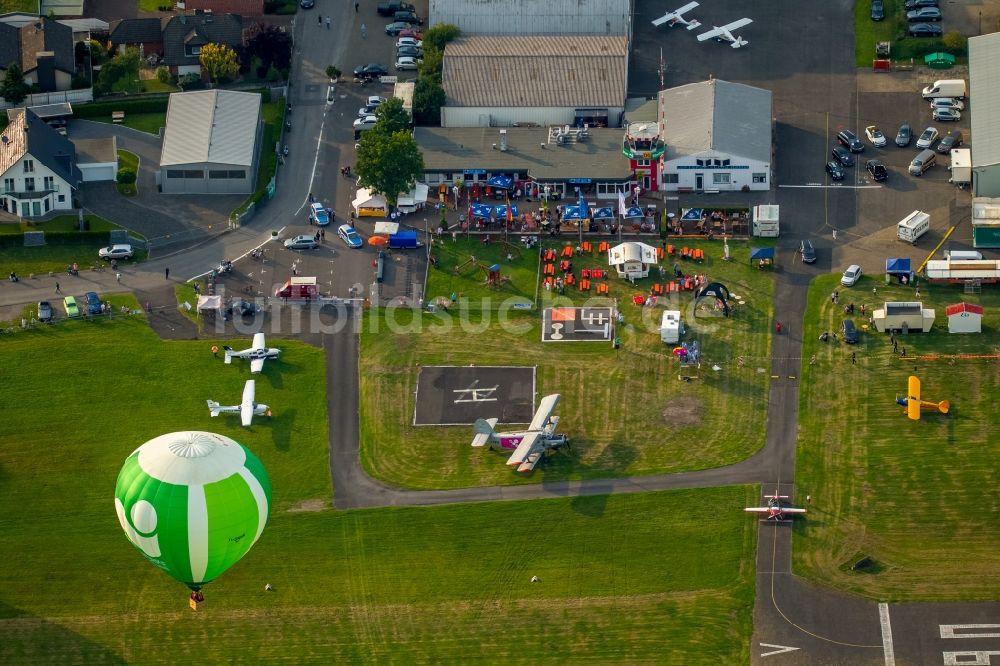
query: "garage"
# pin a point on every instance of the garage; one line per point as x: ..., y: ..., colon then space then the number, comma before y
x: 97, y: 159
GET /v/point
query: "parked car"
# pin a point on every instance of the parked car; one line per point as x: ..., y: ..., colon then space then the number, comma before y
x: 365, y: 123
x: 303, y: 242
x: 396, y: 28
x: 44, y: 311
x: 849, y: 331
x: 923, y: 15
x: 877, y: 170
x: 410, y: 31
x: 370, y: 71
x: 878, y: 10
x: 924, y: 30
x: 367, y: 111
x: 835, y: 170
x: 69, y: 305
x: 307, y: 4
x: 944, y: 114
x: 904, y: 135
x: 94, y: 305
x: 375, y: 101
x: 947, y: 103
x: 351, y: 237
x: 807, y: 251
x: 241, y: 308
x: 917, y: 4
x: 875, y: 135
x: 851, y: 275
x: 409, y: 41
x: 851, y: 140
x: 842, y: 155
x: 408, y: 16
x: 407, y: 63
x: 119, y: 251
x: 318, y: 214
x: 953, y: 139
x: 390, y: 8
x: 409, y: 51
x: 928, y: 138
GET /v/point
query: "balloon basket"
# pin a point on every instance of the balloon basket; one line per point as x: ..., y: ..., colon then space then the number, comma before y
x: 195, y: 605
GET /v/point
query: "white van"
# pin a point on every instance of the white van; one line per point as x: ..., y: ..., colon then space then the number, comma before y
x: 963, y: 255
x: 946, y: 88
x: 913, y: 226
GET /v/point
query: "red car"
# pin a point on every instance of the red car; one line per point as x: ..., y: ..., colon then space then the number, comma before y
x: 410, y: 32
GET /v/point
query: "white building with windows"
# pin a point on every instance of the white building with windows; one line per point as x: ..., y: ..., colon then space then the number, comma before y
x: 38, y: 171
x: 717, y: 137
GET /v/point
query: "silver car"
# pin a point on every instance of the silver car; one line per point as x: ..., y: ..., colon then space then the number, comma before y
x: 303, y: 242
x: 928, y: 138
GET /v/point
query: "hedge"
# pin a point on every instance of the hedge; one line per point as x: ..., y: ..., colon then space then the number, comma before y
x: 144, y: 105
x: 61, y: 238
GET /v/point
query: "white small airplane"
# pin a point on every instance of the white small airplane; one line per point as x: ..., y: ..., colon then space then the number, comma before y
x: 257, y: 353
x: 529, y: 445
x: 246, y: 409
x: 676, y: 17
x: 725, y: 33
x: 777, y: 508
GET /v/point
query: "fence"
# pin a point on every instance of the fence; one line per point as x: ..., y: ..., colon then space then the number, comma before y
x: 79, y: 96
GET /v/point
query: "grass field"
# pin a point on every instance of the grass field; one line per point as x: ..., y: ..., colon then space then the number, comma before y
x: 625, y: 410
x: 918, y: 497
x: 30, y: 6
x: 144, y: 122
x: 468, y: 282
x: 626, y: 579
x: 128, y: 160
x: 59, y: 253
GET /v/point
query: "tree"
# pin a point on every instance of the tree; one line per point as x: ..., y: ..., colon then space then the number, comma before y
x: 391, y: 117
x: 955, y: 40
x: 333, y: 72
x: 439, y: 35
x: 219, y: 61
x: 428, y: 98
x: 389, y: 163
x: 123, y: 67
x: 269, y: 43
x: 13, y: 88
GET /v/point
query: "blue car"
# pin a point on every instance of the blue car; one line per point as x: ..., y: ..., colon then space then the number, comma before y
x: 93, y: 303
x: 349, y: 235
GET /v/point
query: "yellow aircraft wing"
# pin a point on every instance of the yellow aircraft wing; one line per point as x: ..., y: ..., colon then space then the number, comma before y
x: 913, y: 398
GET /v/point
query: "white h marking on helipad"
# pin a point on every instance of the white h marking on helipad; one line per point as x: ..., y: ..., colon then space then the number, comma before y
x: 883, y: 618
x: 949, y: 630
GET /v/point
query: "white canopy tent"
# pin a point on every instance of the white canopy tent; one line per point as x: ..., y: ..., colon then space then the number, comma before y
x: 209, y: 303
x: 632, y: 260
x: 368, y: 204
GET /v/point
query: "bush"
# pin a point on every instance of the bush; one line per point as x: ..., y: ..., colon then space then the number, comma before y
x: 955, y: 41
x: 190, y: 82
x: 333, y: 72
x: 163, y: 75
x: 125, y: 176
x: 273, y: 74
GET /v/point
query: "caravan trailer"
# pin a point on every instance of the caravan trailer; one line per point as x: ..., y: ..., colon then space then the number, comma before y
x: 913, y: 226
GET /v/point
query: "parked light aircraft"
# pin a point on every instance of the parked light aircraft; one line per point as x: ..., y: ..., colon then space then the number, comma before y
x: 777, y: 508
x: 529, y: 445
x: 257, y: 353
x: 725, y: 33
x: 676, y: 17
x: 246, y: 409
x: 914, y: 404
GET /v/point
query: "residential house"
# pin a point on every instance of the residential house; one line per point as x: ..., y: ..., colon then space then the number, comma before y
x: 145, y: 34
x: 44, y: 50
x: 185, y: 35
x: 38, y: 171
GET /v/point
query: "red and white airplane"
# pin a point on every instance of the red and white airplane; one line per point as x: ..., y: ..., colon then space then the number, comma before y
x: 257, y: 353
x: 529, y: 445
x: 676, y: 17
x: 777, y: 508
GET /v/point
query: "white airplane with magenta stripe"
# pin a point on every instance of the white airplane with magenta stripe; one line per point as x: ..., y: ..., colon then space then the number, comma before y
x: 529, y: 445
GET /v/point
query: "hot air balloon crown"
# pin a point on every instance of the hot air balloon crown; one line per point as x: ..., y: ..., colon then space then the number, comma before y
x: 193, y: 503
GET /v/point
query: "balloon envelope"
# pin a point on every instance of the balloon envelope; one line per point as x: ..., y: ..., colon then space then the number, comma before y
x: 193, y: 503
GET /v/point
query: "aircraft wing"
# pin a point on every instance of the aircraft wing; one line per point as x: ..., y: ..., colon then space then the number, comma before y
x: 735, y: 25
x: 792, y: 509
x: 544, y: 411
x: 528, y: 445
x: 258, y: 341
x: 757, y: 509
x: 246, y: 407
x: 530, y: 462
x: 676, y: 14
x: 711, y: 34
x: 913, y: 398
x: 256, y: 365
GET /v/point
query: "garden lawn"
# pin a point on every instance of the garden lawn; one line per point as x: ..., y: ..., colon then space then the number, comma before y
x: 918, y: 497
x: 868, y: 32
x: 28, y: 6
x: 625, y: 411
x: 60, y: 251
x: 128, y: 160
x: 620, y: 577
x: 463, y: 270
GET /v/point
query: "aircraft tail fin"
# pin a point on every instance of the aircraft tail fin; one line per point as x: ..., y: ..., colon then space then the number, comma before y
x: 229, y: 356
x: 213, y: 407
x: 484, y: 431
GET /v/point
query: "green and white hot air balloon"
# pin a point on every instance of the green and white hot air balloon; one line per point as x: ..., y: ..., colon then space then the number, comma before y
x: 193, y: 503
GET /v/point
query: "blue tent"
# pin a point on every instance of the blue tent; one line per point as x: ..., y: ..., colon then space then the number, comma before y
x: 897, y: 266
x: 480, y: 210
x: 500, y: 211
x: 501, y: 182
x: 575, y: 213
x: 633, y: 213
x: 758, y: 253
x: 602, y: 213
x: 692, y: 214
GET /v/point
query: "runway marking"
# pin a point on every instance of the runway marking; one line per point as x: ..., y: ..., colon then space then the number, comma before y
x: 781, y: 649
x: 312, y: 176
x: 242, y: 256
x: 948, y: 630
x: 981, y: 657
x: 883, y: 618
